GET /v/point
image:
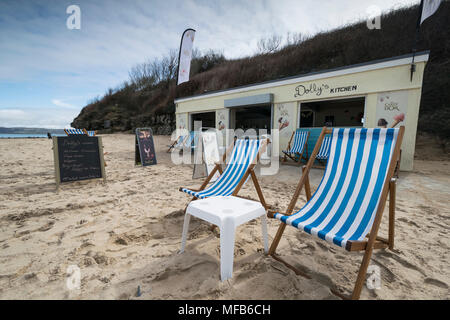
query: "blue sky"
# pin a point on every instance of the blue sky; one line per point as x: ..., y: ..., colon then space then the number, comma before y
x: 48, y: 72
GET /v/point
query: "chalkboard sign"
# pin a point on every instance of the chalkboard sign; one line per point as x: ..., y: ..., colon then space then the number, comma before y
x: 144, y: 147
x: 78, y: 157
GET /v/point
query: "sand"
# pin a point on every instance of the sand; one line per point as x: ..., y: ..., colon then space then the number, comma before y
x: 126, y: 233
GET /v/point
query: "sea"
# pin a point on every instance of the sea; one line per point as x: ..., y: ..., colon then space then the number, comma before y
x: 26, y: 135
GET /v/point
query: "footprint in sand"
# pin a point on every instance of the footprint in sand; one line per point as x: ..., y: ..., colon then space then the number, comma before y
x: 99, y: 257
x: 239, y: 252
x: 46, y: 226
x: 436, y: 282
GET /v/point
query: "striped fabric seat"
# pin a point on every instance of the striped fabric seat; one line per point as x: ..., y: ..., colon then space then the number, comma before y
x: 189, y: 140
x: 179, y: 142
x: 91, y: 133
x: 324, y: 150
x: 192, y: 140
x: 345, y: 203
x: 195, y: 138
x: 300, y: 138
x: 74, y: 131
x: 244, y: 153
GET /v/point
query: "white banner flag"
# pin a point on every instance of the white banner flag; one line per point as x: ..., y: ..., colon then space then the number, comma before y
x: 184, y: 62
x: 429, y: 7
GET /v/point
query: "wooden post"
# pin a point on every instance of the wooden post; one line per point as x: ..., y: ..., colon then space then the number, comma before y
x: 289, y: 146
x: 258, y: 189
x: 305, y: 148
x: 102, y: 160
x: 392, y: 200
x: 56, y: 159
x: 307, y: 186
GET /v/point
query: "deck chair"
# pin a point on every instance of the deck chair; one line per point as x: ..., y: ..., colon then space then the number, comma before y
x: 298, y: 148
x: 349, y: 202
x: 74, y: 131
x: 177, y: 144
x: 189, y: 141
x: 195, y: 140
x: 324, y: 151
x: 244, y: 157
x: 89, y: 133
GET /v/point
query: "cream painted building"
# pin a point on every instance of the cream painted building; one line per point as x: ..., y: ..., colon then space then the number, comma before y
x: 371, y: 94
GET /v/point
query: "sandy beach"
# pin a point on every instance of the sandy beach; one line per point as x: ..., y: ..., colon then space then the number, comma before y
x: 127, y: 233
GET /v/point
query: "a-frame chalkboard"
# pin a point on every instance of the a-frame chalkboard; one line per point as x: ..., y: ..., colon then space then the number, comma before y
x: 144, y: 147
x: 78, y: 157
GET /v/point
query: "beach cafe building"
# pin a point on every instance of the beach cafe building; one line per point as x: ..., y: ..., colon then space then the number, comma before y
x: 373, y: 94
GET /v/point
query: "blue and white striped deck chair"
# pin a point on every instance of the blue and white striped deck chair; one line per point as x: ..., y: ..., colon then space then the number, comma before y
x: 188, y: 142
x: 90, y: 133
x: 244, y: 157
x: 349, y: 201
x: 195, y: 140
x: 324, y: 151
x: 74, y: 131
x: 298, y: 147
x: 177, y: 144
x: 191, y: 141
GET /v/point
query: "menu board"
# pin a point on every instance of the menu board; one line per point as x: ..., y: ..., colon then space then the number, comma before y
x: 78, y: 157
x: 144, y: 147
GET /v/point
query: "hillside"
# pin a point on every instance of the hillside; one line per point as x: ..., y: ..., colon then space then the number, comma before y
x: 152, y: 105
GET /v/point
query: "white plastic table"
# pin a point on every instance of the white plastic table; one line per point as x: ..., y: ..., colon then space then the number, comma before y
x: 227, y: 213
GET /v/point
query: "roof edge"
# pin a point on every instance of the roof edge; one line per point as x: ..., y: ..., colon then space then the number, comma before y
x: 421, y: 56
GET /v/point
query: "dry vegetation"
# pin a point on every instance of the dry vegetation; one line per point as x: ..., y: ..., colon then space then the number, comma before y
x: 147, y: 99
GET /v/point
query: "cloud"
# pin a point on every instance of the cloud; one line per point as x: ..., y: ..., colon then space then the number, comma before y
x: 115, y: 35
x: 52, y: 118
x: 8, y: 115
x: 60, y: 103
x: 43, y: 59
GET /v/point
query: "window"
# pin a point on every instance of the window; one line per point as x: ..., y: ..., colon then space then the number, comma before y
x: 332, y: 113
x: 208, y: 119
x: 254, y: 117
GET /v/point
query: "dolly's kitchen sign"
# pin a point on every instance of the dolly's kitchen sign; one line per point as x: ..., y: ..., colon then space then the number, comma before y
x: 318, y: 89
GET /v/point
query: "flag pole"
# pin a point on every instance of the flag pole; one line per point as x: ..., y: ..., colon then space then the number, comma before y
x: 416, y: 38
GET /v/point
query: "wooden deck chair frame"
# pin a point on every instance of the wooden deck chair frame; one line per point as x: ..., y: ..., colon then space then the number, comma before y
x: 87, y: 133
x: 300, y: 155
x: 397, y: 166
x: 250, y: 172
x: 374, y: 241
x: 323, y: 164
x: 175, y: 143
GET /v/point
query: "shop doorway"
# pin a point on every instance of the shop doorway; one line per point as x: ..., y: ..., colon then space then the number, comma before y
x: 347, y: 112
